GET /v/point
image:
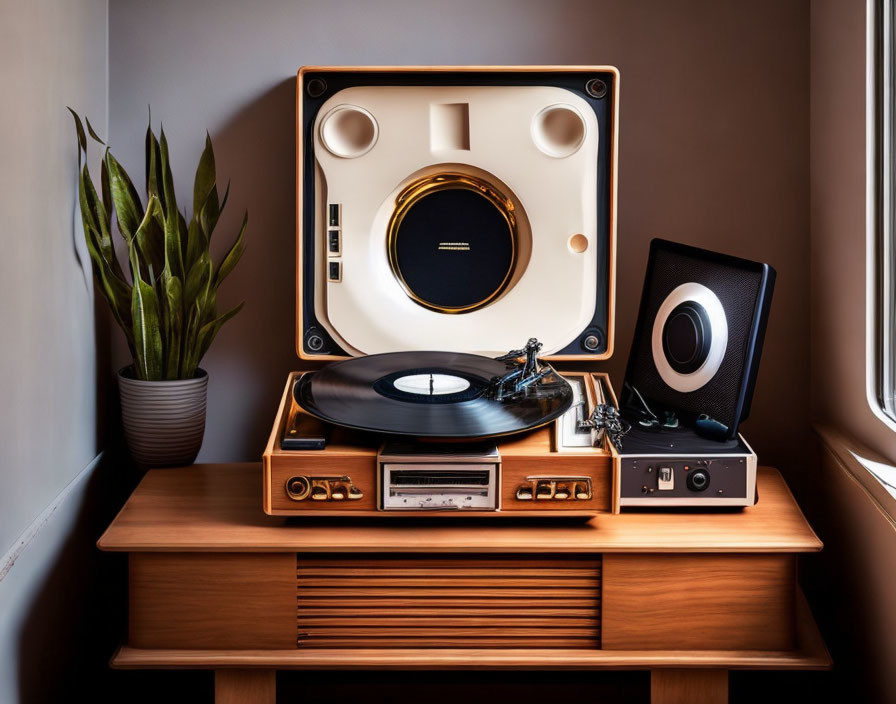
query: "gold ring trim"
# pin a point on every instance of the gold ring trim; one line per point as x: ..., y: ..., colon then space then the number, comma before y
x: 428, y: 185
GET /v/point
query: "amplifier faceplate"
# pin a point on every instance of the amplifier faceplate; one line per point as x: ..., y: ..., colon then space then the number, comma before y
x: 439, y: 477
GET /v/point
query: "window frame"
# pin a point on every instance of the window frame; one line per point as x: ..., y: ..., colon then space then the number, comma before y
x: 881, y: 210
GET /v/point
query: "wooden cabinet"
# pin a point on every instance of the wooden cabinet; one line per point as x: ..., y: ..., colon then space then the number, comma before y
x: 215, y: 583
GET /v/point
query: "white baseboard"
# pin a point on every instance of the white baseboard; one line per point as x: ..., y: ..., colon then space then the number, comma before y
x: 31, y: 532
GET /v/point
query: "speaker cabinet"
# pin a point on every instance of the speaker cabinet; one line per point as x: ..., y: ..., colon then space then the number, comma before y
x: 699, y: 334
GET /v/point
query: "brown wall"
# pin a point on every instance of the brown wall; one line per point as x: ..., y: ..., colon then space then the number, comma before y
x: 850, y: 583
x: 837, y: 207
x: 713, y: 149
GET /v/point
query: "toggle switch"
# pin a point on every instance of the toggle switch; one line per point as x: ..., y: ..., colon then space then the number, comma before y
x: 335, y: 273
x: 665, y: 481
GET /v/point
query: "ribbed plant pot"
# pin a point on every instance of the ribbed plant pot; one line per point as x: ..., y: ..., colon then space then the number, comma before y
x: 164, y: 421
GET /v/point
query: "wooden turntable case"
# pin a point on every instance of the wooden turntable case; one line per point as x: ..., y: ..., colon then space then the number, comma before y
x: 354, y: 454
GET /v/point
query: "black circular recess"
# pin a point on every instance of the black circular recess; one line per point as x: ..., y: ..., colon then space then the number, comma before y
x: 698, y: 480
x: 454, y: 250
x: 687, y: 335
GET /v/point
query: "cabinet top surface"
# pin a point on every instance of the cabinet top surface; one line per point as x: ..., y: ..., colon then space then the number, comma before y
x: 217, y: 508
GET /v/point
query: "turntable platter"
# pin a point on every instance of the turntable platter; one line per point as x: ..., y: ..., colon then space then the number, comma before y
x: 428, y: 394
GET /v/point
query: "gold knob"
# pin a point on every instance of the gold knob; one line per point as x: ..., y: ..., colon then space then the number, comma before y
x: 545, y: 490
x: 320, y: 491
x: 582, y: 490
x: 298, y: 488
x: 322, y: 488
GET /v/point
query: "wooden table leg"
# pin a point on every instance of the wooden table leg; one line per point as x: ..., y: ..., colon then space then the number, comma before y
x: 245, y: 687
x: 689, y: 687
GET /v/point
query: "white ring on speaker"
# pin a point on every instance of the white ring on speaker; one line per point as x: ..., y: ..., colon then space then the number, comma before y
x: 348, y: 131
x: 698, y: 293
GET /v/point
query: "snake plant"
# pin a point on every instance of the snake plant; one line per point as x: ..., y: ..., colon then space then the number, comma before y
x: 166, y: 304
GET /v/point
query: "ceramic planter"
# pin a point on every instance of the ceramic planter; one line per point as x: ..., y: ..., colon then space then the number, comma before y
x: 164, y: 421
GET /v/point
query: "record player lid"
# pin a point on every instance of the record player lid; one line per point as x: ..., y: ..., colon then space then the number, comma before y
x: 456, y: 209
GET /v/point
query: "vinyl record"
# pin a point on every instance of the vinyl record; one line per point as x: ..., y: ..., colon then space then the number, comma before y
x: 427, y: 394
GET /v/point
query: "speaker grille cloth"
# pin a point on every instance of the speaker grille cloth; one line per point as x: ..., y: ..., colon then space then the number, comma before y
x: 737, y: 289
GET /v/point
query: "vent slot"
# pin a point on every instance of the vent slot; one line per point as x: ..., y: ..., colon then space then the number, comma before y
x: 512, y: 601
x: 420, y: 477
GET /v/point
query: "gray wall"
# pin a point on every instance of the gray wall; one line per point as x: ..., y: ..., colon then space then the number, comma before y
x: 52, y: 54
x: 713, y: 150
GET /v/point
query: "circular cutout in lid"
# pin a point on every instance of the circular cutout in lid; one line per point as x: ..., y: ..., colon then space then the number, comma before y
x: 452, y: 242
x: 348, y: 131
x: 558, y: 130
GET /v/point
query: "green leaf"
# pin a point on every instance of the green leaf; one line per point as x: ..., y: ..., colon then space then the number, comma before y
x: 96, y: 217
x: 198, y: 280
x: 153, y: 166
x: 172, y: 322
x: 204, y: 183
x: 82, y: 138
x: 209, y: 306
x: 173, y: 246
x: 145, y: 317
x: 106, y: 267
x: 233, y: 256
x: 209, y: 214
x: 116, y: 291
x: 208, y: 331
x: 128, y: 208
x: 197, y: 243
x: 183, y: 234
x: 150, y: 239
x: 92, y: 132
x: 107, y: 193
x: 224, y: 199
x: 190, y: 360
x: 167, y: 178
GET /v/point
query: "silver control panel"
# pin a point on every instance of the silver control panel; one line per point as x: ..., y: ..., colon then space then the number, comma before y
x: 439, y: 477
x: 440, y: 487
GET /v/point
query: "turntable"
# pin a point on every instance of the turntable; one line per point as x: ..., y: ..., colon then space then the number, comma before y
x: 445, y: 216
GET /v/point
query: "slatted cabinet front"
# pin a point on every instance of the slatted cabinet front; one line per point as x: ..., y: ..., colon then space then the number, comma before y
x: 582, y: 602
x: 488, y: 601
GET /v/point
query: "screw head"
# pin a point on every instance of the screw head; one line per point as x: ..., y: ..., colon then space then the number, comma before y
x: 316, y: 87
x: 596, y: 88
x: 315, y: 343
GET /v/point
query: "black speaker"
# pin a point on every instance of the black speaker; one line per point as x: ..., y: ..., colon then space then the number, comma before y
x: 699, y: 336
